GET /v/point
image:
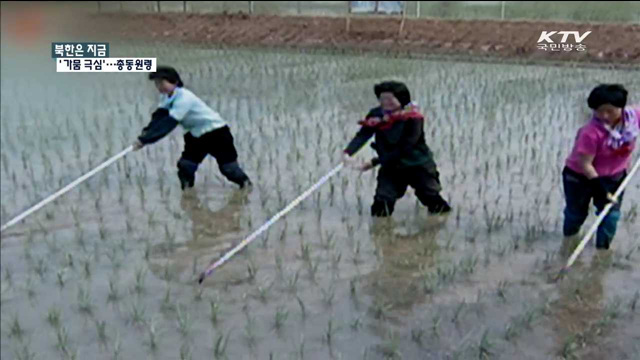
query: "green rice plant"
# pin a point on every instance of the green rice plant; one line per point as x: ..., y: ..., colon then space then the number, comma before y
x: 251, y: 271
x: 31, y: 293
x: 569, y: 347
x: 85, y: 304
x: 24, y: 352
x: 215, y: 310
x: 292, y: 282
x: 634, y: 301
x: 458, y: 311
x: 114, y: 295
x: 220, y: 347
x: 141, y: 274
x: 328, y: 295
x: 185, y: 352
x: 153, y: 336
x: 281, y: 316
x: 53, y: 317
x: 303, y: 309
x: 60, y: 278
x: 62, y: 343
x: 435, y: 326
x: 417, y: 334
x: 117, y: 347
x: 329, y: 333
x: 380, y: 309
x: 101, y: 329
x: 137, y: 314
x: 184, y: 322
x: 16, y: 330
x: 249, y: 330
x: 485, y: 347
x: 501, y: 290
x: 8, y: 276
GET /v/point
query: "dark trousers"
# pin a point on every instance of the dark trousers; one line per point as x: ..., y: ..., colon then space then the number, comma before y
x: 217, y: 143
x: 578, y: 194
x: 393, y: 182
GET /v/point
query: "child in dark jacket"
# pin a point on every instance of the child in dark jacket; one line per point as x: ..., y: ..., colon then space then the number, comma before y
x: 403, y: 155
x: 206, y: 133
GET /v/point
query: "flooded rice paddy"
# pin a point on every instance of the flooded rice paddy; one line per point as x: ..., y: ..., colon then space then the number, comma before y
x: 109, y: 271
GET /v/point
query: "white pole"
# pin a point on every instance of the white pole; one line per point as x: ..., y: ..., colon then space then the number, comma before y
x: 502, y: 9
x: 601, y: 217
x: 268, y: 224
x: 418, y: 9
x: 275, y: 218
x: 60, y: 192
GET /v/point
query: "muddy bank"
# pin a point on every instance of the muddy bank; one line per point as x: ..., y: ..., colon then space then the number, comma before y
x: 608, y: 43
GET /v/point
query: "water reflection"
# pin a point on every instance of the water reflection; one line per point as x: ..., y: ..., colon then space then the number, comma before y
x: 406, y: 252
x: 212, y: 233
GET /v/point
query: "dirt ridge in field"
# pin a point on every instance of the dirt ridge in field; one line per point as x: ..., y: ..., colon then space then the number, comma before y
x: 607, y: 43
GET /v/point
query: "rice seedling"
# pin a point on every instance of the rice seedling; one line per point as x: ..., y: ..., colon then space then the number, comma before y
x: 569, y: 347
x: 634, y: 301
x: 485, y: 347
x: 53, y: 317
x: 251, y: 271
x: 8, y: 276
x: 24, y: 353
x: 62, y: 338
x: 185, y: 352
x: 380, y: 309
x: 435, y: 326
x: 16, y: 330
x: 281, y: 316
x: 458, y: 311
x: 220, y: 347
x: 292, y: 282
x: 329, y: 333
x: 184, y: 322
x: 501, y: 290
x: 31, y: 293
x: 114, y: 295
x: 249, y: 330
x: 85, y: 304
x: 417, y: 334
x: 153, y: 336
x: 117, y: 347
x: 215, y: 310
x: 139, y: 287
x: 328, y: 295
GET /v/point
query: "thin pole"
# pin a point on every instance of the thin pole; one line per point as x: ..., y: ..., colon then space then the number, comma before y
x: 502, y: 9
x: 404, y: 12
x: 271, y: 221
x: 418, y: 9
x: 348, y: 16
x: 62, y: 191
x: 601, y: 217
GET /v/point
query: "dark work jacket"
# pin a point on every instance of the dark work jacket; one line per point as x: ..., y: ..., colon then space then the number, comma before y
x: 160, y: 126
x: 401, y: 145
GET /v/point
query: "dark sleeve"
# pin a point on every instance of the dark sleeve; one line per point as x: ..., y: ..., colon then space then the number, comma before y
x: 160, y: 126
x: 410, y: 136
x: 359, y: 140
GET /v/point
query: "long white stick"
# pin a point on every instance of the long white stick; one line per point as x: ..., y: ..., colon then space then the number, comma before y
x: 60, y: 192
x: 271, y: 221
x: 601, y: 217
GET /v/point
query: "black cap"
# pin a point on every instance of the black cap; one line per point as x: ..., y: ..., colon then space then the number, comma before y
x: 613, y: 94
x: 398, y: 89
x: 168, y: 73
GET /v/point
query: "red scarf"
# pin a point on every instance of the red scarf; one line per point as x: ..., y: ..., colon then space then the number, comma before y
x: 409, y: 112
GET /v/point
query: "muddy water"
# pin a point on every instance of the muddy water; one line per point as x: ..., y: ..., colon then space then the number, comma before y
x: 416, y: 286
